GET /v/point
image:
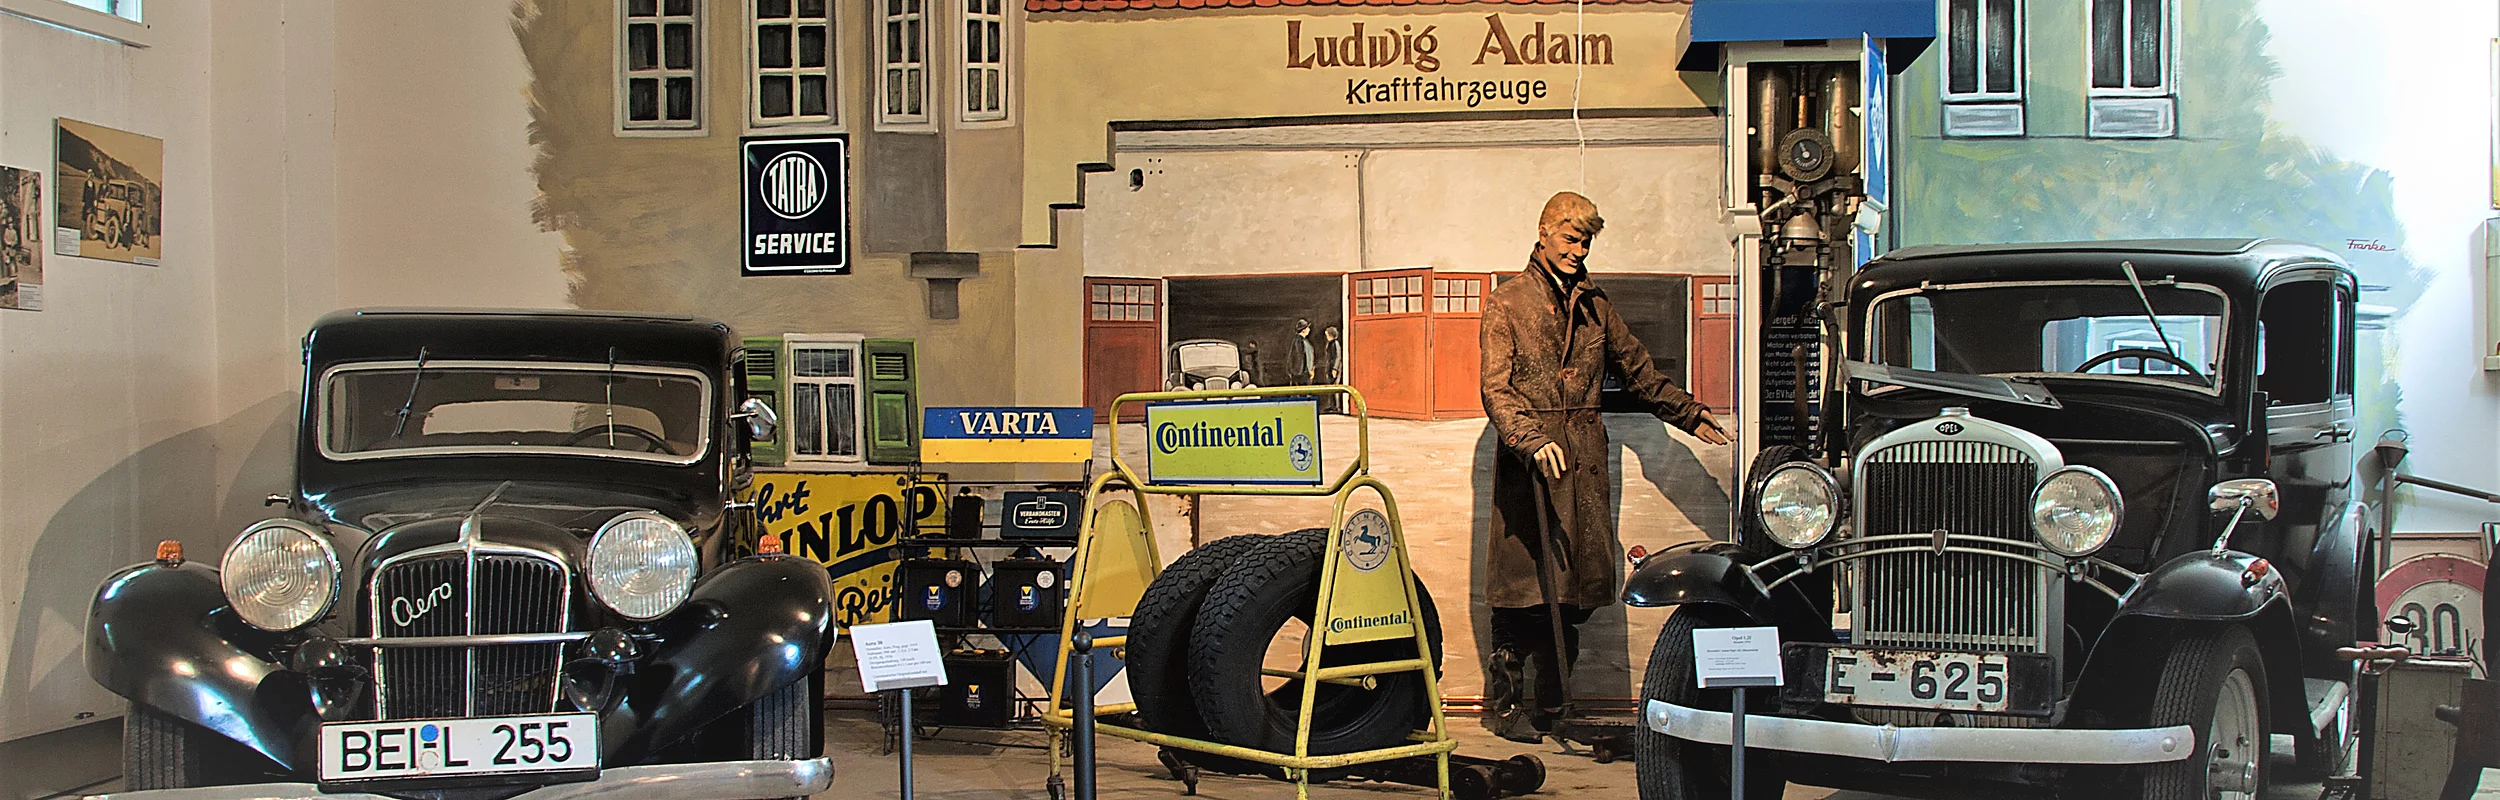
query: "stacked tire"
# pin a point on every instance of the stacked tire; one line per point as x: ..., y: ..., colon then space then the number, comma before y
x: 1198, y: 641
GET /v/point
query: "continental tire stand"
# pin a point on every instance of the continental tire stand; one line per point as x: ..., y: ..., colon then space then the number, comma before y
x: 1365, y: 590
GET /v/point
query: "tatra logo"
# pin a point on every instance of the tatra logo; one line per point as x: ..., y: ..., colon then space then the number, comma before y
x: 1949, y: 428
x: 1170, y: 438
x: 793, y: 185
x: 1343, y: 624
x: 406, y: 612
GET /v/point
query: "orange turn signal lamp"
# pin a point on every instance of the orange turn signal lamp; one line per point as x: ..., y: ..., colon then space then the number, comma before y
x: 169, y: 553
x: 768, y: 545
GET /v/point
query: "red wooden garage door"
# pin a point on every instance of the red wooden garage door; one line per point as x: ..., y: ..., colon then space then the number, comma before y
x: 1457, y: 321
x: 1714, y: 342
x: 1123, y: 342
x: 1392, y: 352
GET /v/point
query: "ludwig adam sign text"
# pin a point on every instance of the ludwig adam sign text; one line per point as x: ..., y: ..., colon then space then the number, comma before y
x: 798, y: 205
x: 1234, y: 442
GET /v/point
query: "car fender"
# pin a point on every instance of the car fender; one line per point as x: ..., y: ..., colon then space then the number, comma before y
x: 151, y: 638
x: 2205, y: 585
x: 1712, y: 574
x: 749, y: 628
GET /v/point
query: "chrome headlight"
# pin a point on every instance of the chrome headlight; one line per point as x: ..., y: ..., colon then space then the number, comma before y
x: 1797, y: 504
x: 642, y: 565
x: 280, y: 575
x: 2075, y: 510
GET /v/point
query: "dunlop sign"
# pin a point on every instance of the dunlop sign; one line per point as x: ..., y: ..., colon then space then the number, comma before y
x: 849, y: 523
x: 798, y: 205
x: 1234, y: 442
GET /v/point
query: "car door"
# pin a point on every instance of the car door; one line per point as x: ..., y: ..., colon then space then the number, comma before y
x: 2304, y: 365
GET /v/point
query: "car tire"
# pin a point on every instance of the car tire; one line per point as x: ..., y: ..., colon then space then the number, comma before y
x: 1244, y: 612
x: 161, y: 751
x: 2214, y: 682
x: 1674, y: 769
x: 1158, y: 633
x: 781, y: 726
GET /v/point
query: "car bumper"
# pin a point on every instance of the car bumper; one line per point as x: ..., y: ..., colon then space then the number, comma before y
x: 721, y: 780
x: 1890, y: 743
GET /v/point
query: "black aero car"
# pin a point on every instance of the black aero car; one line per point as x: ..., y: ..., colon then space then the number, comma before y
x: 494, y: 578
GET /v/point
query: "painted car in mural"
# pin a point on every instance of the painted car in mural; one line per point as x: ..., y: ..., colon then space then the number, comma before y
x: 1207, y: 364
x: 492, y: 573
x: 2088, y: 512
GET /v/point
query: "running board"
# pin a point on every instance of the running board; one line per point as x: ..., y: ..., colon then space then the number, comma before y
x: 2326, y: 698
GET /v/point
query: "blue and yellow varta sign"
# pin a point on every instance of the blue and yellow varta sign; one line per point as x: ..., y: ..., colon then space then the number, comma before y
x: 1234, y: 442
x: 998, y: 435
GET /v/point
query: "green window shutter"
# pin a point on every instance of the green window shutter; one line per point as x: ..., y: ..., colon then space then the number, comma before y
x: 764, y: 382
x: 893, y: 401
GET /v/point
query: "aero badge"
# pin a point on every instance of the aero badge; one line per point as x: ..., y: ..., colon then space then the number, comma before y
x: 1300, y: 451
x: 1366, y: 540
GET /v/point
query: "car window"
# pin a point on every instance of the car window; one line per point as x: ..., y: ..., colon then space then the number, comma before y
x: 459, y: 407
x: 2095, y: 328
x: 2300, y: 336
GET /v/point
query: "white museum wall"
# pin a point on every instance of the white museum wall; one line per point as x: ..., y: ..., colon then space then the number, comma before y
x: 2406, y: 88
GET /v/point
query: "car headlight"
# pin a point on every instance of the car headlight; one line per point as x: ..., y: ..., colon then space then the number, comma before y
x: 280, y: 575
x: 1796, y: 504
x: 642, y: 565
x: 2075, y: 510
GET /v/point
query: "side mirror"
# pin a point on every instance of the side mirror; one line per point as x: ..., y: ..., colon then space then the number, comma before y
x: 2255, y: 494
x: 760, y: 418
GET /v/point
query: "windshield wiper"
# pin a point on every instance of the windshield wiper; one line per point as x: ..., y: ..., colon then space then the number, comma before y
x: 2149, y: 316
x: 1984, y: 387
x: 408, y: 407
x: 611, y: 397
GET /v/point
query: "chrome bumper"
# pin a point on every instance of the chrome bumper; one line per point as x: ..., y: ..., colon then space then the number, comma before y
x: 721, y: 780
x: 1889, y: 743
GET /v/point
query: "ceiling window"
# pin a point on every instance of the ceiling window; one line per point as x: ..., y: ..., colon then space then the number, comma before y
x: 903, y: 57
x: 792, y: 77
x: 659, y: 78
x: 985, y: 60
x: 1983, y: 67
x: 2133, y: 92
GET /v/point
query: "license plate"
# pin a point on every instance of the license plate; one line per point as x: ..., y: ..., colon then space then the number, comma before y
x: 1918, y: 679
x: 363, y: 751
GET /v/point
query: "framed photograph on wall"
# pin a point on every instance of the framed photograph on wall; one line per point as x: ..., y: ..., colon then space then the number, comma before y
x: 111, y: 189
x: 21, y: 238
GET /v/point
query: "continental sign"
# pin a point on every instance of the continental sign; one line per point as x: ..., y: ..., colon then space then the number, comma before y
x: 1036, y: 435
x: 849, y: 523
x: 1234, y: 442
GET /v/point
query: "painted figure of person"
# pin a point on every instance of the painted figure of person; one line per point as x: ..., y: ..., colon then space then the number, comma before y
x: 1250, y: 364
x: 1305, y: 370
x: 1549, y: 336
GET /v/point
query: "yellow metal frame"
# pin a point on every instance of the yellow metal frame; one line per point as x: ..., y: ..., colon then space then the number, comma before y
x: 1434, y: 740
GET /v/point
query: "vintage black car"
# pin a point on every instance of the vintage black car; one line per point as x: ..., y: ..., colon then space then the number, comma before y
x: 489, y: 579
x: 2086, y: 521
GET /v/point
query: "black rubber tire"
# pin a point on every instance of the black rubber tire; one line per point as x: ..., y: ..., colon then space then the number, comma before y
x: 2190, y: 684
x: 1674, y: 769
x: 1158, y: 634
x: 1241, y: 616
x: 161, y: 751
x: 785, y: 725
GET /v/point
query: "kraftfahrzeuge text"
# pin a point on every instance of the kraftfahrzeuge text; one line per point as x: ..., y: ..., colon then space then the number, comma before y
x: 1372, y: 47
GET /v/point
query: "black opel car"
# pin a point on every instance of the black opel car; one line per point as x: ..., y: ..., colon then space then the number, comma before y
x: 2085, y: 521
x: 490, y: 581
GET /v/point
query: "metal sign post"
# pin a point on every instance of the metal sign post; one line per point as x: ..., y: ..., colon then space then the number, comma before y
x: 1736, y: 658
x: 899, y: 657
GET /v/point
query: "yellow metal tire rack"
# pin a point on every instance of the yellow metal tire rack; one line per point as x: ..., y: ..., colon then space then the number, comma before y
x: 1116, y: 559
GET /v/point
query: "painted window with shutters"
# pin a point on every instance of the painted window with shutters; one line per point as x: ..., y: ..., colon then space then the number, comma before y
x: 985, y: 60
x: 791, y: 73
x: 659, y: 66
x: 1984, y: 67
x: 903, y: 59
x: 825, y: 391
x: 2131, y: 57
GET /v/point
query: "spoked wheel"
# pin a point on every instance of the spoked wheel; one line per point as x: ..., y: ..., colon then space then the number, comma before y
x: 1675, y: 769
x: 2214, y: 683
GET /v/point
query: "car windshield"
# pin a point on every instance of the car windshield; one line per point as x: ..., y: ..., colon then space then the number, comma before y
x: 2095, y: 328
x: 1217, y: 358
x: 641, y: 413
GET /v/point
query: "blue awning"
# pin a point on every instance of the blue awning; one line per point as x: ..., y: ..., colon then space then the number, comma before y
x: 1712, y: 23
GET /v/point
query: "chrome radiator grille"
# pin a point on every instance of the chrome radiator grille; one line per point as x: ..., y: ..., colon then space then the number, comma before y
x: 431, y: 596
x: 1952, y: 601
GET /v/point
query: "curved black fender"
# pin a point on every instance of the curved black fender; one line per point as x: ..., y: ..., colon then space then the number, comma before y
x: 2199, y: 588
x: 750, y: 627
x: 1711, y: 574
x: 154, y: 636
x: 2205, y: 585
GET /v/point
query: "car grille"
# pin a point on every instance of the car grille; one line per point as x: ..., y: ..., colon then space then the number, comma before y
x: 1952, y: 601
x: 430, y: 596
